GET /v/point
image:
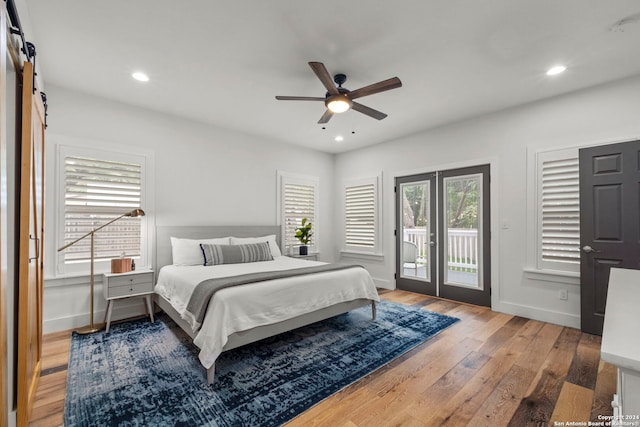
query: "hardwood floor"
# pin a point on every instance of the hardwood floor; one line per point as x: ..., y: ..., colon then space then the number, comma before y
x: 490, y: 369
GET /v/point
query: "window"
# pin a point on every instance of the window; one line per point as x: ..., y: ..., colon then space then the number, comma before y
x: 558, y: 211
x: 361, y: 220
x: 298, y: 198
x: 95, y: 188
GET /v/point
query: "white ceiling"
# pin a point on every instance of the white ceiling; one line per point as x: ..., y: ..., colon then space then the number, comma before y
x: 222, y: 62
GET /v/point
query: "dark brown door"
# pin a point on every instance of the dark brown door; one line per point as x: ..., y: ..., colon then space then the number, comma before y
x: 609, y: 223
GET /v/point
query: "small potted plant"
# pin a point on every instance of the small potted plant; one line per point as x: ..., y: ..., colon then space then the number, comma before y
x: 304, y: 233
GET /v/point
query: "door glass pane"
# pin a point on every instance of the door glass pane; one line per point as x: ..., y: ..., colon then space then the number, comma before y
x: 462, y: 203
x: 416, y: 221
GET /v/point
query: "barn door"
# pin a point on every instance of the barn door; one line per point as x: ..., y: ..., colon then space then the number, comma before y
x: 4, y: 377
x: 30, y: 271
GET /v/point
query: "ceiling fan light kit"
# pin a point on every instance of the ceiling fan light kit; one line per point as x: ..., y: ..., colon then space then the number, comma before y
x: 338, y: 103
x: 339, y: 99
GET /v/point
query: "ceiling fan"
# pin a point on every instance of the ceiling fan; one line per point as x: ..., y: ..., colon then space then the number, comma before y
x: 339, y: 99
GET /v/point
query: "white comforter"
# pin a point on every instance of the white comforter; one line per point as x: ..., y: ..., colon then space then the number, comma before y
x: 240, y: 308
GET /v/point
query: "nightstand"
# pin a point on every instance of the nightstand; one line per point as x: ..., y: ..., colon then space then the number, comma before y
x: 126, y: 285
x: 309, y: 257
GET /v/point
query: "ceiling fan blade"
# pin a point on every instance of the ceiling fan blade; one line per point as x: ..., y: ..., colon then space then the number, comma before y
x: 324, y: 76
x: 388, y: 84
x: 368, y: 111
x: 326, y: 117
x: 299, y: 98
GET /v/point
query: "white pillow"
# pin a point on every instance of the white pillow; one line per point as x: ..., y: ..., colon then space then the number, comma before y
x: 188, y: 251
x: 273, y: 245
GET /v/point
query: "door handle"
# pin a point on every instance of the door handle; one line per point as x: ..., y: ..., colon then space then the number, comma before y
x: 432, y: 243
x: 588, y: 249
x: 37, y: 248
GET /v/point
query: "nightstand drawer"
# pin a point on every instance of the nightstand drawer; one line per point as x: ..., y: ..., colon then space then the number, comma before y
x: 130, y: 279
x: 128, y: 289
x: 127, y: 284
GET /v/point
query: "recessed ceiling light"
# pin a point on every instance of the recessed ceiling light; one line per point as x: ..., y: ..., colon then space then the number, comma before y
x: 339, y: 138
x: 141, y: 77
x: 555, y: 70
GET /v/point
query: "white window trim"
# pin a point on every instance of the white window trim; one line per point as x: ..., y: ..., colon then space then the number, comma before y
x: 535, y: 268
x: 118, y: 153
x: 357, y: 251
x: 294, y: 178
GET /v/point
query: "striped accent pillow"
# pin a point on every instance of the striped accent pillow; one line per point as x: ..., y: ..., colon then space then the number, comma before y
x: 236, y: 254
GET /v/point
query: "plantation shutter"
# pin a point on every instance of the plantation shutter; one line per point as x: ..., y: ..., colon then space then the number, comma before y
x: 360, y: 216
x: 560, y: 214
x: 299, y: 202
x: 96, y: 192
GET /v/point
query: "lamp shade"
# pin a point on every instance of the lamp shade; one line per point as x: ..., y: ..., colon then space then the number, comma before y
x: 135, y: 213
x: 339, y: 103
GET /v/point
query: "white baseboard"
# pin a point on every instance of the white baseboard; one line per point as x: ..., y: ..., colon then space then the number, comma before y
x: 123, y: 309
x: 535, y: 313
x: 383, y: 283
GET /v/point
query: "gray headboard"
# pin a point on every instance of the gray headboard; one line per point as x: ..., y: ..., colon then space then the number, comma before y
x: 164, y: 234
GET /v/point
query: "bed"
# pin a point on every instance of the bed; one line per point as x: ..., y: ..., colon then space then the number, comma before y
x: 239, y: 315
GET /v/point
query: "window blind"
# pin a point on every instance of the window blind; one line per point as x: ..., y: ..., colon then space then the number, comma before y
x: 560, y: 211
x: 360, y: 216
x: 299, y: 202
x: 96, y: 192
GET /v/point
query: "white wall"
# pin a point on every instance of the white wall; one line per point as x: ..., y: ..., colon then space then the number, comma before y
x: 213, y: 173
x: 600, y: 115
x: 203, y: 175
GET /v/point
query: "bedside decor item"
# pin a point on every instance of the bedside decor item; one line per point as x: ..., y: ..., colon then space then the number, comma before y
x: 121, y: 265
x: 91, y: 328
x: 304, y: 233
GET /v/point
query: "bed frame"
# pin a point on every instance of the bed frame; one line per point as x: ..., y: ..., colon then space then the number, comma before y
x: 237, y: 339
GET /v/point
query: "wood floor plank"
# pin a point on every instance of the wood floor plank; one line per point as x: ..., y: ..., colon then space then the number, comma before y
x: 397, y: 392
x: 501, y: 404
x: 447, y: 386
x: 487, y: 369
x: 516, y: 322
x: 537, y: 407
x: 525, y: 335
x: 574, y: 404
x: 538, y: 349
x: 605, y: 388
x: 497, y: 340
x: 459, y: 410
x: 584, y: 369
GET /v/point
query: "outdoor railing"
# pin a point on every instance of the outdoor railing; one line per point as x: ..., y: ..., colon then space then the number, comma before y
x: 462, y: 247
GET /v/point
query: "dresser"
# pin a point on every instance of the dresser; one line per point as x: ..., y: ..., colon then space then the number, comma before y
x: 127, y: 285
x: 620, y: 343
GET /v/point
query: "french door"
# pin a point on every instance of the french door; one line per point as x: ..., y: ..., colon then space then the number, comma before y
x: 443, y: 236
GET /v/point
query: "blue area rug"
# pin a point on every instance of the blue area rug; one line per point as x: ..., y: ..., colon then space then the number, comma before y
x: 144, y: 374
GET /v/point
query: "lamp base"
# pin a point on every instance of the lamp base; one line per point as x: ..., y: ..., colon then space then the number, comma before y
x: 91, y: 329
